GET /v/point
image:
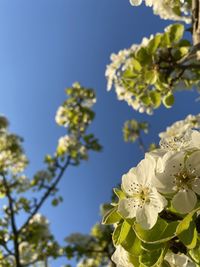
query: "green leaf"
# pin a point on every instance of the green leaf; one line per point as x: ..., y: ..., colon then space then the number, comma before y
x: 136, y: 65
x: 55, y: 202
x: 151, y: 76
x: 175, y: 32
x: 186, y: 231
x: 155, y: 98
x: 165, y: 264
x: 180, y: 52
x: 119, y: 193
x: 168, y: 100
x: 165, y: 41
x: 132, y: 243
x: 134, y: 260
x: 150, y: 247
x: 153, y: 258
x: 161, y: 232
x: 195, y: 252
x: 120, y: 233
x: 143, y: 56
x: 154, y: 44
x: 111, y: 217
x: 145, y: 99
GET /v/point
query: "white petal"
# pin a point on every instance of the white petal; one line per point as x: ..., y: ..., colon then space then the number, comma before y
x: 157, y: 201
x: 193, y: 163
x: 195, y: 139
x: 121, y: 257
x: 156, y: 154
x: 127, y: 207
x: 145, y: 170
x: 130, y: 183
x: 146, y: 216
x: 135, y: 2
x: 178, y: 260
x: 171, y: 164
x: 196, y: 186
x: 184, y: 201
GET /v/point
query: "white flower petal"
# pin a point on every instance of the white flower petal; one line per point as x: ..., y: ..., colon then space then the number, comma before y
x: 130, y: 182
x: 146, y: 216
x: 196, y: 186
x: 195, y: 139
x: 184, y: 201
x: 178, y: 260
x: 127, y: 207
x: 157, y: 201
x: 171, y: 164
x: 121, y: 257
x: 135, y: 2
x: 145, y: 170
x: 193, y: 163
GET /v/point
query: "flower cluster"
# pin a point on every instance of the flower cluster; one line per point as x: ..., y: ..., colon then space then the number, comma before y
x: 147, y: 75
x: 178, y: 10
x: 122, y: 259
x: 12, y: 157
x: 76, y: 115
x: 166, y: 181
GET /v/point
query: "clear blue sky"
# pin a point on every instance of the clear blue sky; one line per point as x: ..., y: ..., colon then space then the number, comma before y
x: 46, y: 45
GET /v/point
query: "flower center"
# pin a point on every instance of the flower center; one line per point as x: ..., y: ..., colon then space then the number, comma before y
x: 184, y: 179
x: 143, y: 195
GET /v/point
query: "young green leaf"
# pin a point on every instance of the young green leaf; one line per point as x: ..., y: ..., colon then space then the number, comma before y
x: 161, y: 232
x: 111, y: 217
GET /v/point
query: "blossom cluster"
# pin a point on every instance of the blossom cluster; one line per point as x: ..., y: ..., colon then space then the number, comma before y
x: 147, y: 74
x: 167, y: 179
x: 121, y: 258
x: 76, y: 115
x: 12, y: 157
x: 120, y: 62
x: 178, y: 10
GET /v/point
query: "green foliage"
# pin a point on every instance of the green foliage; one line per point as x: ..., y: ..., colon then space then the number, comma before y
x: 161, y: 232
x: 187, y: 232
x: 76, y: 115
x: 150, y: 73
x: 111, y: 217
x: 132, y: 130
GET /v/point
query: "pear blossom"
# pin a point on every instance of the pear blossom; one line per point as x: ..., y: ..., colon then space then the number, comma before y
x: 165, y: 9
x: 121, y: 257
x: 65, y: 143
x: 27, y: 253
x: 61, y: 117
x: 142, y: 201
x: 179, y: 174
x: 182, y: 134
x: 179, y: 128
x: 135, y: 2
x: 188, y: 141
x: 178, y: 260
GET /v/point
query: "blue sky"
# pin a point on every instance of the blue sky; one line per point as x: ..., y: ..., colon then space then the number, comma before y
x: 46, y: 45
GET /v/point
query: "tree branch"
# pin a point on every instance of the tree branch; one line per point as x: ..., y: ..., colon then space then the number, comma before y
x: 47, y: 193
x: 13, y: 222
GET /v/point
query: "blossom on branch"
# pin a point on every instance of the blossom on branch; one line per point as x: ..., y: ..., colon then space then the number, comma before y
x: 142, y: 201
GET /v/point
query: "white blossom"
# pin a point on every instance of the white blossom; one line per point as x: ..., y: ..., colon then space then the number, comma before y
x: 27, y: 252
x: 142, y: 201
x: 121, y: 257
x: 65, y: 143
x: 178, y: 260
x: 182, y: 134
x: 61, y: 117
x: 179, y: 175
x: 165, y: 9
